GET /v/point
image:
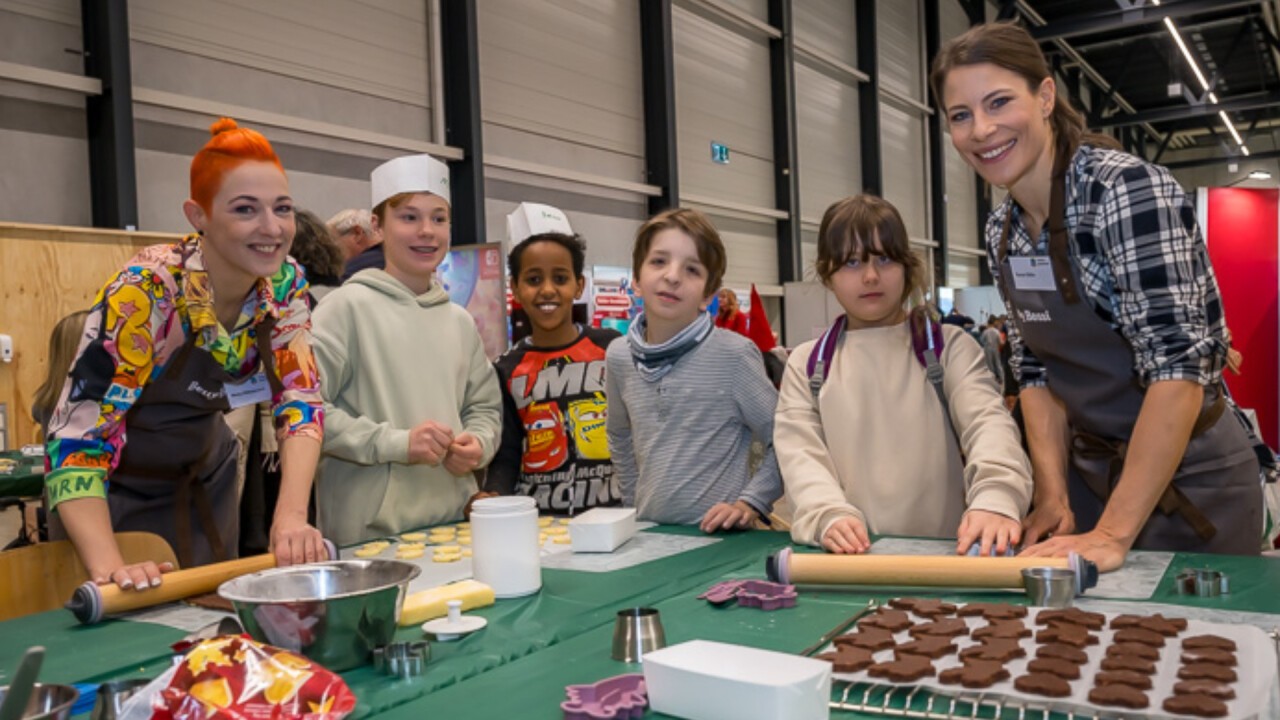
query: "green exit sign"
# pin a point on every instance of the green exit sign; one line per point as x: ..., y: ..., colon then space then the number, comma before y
x: 719, y: 153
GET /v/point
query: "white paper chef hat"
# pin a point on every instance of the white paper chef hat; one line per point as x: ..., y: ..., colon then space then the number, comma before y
x: 529, y: 219
x: 410, y: 174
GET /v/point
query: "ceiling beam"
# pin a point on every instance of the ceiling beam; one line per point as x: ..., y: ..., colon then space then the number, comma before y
x: 1183, y: 111
x: 1098, y: 22
x: 1199, y: 162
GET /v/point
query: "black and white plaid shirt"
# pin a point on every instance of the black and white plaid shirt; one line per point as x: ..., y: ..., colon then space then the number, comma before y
x: 1142, y: 262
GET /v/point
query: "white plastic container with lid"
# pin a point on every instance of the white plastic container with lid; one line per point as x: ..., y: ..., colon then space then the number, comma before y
x: 506, y: 555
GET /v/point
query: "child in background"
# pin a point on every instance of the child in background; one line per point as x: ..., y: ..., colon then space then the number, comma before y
x: 414, y: 403
x: 554, y: 446
x: 685, y: 398
x: 64, y: 341
x: 894, y: 465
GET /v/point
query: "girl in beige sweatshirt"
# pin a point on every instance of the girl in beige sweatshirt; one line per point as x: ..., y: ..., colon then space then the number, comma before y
x: 877, y: 450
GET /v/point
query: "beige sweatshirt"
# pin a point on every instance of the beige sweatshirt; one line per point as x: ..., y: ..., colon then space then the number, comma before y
x: 876, y: 446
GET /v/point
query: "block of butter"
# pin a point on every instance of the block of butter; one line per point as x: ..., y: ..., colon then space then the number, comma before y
x: 427, y: 605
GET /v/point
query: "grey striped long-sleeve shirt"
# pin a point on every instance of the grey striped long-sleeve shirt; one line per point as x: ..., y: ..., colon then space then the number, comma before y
x: 680, y: 444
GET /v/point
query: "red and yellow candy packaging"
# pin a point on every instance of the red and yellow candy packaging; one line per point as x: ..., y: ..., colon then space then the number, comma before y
x: 235, y: 678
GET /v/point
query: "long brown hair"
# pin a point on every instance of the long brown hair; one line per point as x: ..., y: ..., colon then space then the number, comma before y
x: 1009, y: 46
x: 63, y: 343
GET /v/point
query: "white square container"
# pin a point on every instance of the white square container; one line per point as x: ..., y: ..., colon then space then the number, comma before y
x: 702, y: 680
x: 602, y: 530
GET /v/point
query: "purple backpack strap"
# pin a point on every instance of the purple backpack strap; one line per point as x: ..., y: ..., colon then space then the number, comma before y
x: 822, y: 353
x: 928, y: 343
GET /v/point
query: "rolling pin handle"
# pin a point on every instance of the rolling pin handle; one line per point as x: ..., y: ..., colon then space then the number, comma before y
x: 777, y: 567
x: 86, y: 603
x: 330, y: 548
x: 1086, y: 572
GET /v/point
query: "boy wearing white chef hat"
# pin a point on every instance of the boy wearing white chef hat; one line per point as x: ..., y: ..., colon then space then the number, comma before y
x: 412, y: 403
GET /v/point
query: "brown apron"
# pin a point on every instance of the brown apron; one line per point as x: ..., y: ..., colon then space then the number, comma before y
x: 1214, y: 503
x: 179, y: 458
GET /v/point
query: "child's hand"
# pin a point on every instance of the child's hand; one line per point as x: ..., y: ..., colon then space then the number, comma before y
x: 995, y: 532
x: 725, y: 516
x: 429, y: 442
x: 846, y: 536
x: 1049, y: 517
x: 466, y: 509
x: 464, y: 454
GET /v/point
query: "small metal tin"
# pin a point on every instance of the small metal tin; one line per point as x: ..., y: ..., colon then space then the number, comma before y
x: 402, y: 659
x: 1202, y: 582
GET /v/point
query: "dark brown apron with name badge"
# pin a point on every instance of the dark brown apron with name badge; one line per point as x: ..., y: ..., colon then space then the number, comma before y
x: 177, y: 470
x: 1214, y: 503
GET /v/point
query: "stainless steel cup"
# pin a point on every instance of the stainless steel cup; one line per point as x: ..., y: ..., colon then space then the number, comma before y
x: 111, y: 696
x: 47, y: 702
x: 1050, y: 586
x: 637, y: 631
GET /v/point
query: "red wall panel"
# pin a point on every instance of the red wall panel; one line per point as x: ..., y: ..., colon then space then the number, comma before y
x: 1242, y: 237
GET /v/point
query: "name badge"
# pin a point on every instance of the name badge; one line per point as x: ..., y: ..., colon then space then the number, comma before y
x: 250, y: 391
x: 1032, y: 273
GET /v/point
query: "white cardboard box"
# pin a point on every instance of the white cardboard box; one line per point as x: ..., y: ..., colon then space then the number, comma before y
x: 602, y: 530
x: 702, y: 680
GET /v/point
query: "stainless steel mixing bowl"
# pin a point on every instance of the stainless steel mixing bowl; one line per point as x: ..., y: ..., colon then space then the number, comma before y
x: 47, y: 702
x: 334, y: 613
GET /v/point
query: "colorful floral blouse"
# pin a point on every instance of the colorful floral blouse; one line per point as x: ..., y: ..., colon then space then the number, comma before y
x: 142, y: 317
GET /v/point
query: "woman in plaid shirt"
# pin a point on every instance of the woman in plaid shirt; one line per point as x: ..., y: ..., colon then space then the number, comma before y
x: 1118, y: 333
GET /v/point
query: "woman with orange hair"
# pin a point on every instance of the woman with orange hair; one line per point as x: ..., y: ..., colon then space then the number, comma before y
x: 182, y: 334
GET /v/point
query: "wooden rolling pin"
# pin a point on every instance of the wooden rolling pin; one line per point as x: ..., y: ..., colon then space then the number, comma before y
x: 918, y: 570
x: 92, y: 602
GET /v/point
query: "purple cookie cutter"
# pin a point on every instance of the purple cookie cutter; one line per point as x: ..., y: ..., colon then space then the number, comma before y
x: 620, y: 697
x: 752, y: 593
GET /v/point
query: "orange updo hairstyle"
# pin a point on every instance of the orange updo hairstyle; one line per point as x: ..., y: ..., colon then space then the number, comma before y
x: 229, y: 146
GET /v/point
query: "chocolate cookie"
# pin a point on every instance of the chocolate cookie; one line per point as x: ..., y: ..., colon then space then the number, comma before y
x: 1043, y: 684
x: 1062, y: 652
x: 1208, y: 655
x: 1155, y: 623
x: 1067, y: 634
x: 871, y: 638
x: 1128, y: 662
x: 950, y: 627
x: 888, y: 619
x: 928, y: 646
x: 1008, y: 629
x: 848, y: 658
x: 924, y: 607
x: 993, y: 611
x: 1205, y: 671
x: 1198, y: 705
x: 975, y: 674
x: 1123, y: 677
x: 1212, y: 688
x: 1146, y: 652
x: 1091, y: 620
x: 1119, y: 695
x: 1139, y: 635
x: 994, y: 650
x: 903, y: 669
x: 1062, y: 668
x: 1208, y: 641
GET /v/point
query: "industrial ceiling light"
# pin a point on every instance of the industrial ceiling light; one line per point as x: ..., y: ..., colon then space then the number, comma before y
x: 1259, y: 175
x: 1195, y: 68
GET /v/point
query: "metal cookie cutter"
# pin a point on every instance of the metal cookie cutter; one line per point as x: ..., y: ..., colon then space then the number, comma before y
x: 1203, y: 582
x: 402, y: 659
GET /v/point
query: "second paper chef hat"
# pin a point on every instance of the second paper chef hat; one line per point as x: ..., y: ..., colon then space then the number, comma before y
x: 409, y: 174
x: 529, y: 219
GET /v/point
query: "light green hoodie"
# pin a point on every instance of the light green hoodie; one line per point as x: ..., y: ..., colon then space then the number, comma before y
x: 390, y: 360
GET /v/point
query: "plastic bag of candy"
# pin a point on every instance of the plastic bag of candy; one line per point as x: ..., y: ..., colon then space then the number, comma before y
x: 234, y: 678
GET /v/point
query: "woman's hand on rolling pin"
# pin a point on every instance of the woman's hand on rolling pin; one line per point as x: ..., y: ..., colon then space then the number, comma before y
x: 294, y: 541
x: 138, y: 576
x: 1049, y: 517
x: 1105, y: 551
x: 996, y: 533
x: 847, y: 536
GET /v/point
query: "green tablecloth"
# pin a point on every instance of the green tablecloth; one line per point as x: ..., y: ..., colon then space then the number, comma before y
x: 24, y: 480
x: 534, y: 647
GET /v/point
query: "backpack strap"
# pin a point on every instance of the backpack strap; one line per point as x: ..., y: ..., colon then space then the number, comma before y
x: 821, y: 355
x: 928, y: 343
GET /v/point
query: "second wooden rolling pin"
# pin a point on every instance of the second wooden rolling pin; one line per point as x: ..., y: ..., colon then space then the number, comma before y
x: 918, y: 570
x: 92, y: 602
